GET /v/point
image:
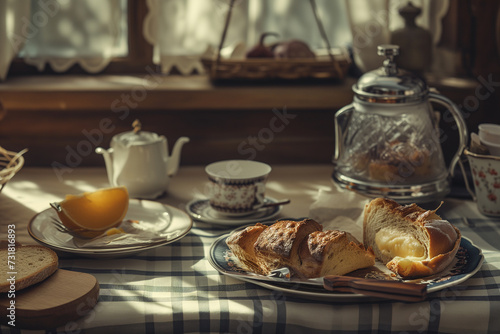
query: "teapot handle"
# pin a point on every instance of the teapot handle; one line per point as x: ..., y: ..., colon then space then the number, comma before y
x: 339, y: 131
x: 462, y: 128
x: 464, y: 174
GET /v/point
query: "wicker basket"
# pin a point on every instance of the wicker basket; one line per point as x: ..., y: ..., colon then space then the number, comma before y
x: 266, y: 68
x: 10, y: 164
x: 322, y: 67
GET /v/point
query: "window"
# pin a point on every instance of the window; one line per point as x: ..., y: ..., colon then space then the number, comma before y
x: 91, y: 36
x: 125, y: 36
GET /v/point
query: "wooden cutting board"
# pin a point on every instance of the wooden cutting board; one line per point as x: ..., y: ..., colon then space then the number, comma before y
x: 62, y: 298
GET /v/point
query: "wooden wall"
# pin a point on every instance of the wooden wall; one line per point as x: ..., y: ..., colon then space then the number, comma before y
x: 274, y: 123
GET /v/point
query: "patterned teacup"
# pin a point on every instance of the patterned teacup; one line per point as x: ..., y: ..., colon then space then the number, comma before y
x: 486, y: 176
x: 237, y: 187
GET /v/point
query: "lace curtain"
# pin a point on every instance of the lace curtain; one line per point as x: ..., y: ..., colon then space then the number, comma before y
x: 182, y: 30
x: 62, y: 33
x: 88, y: 33
x: 11, y: 37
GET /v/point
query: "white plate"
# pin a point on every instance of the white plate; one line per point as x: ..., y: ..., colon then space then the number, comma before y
x: 154, y: 216
x: 469, y: 260
x: 201, y: 210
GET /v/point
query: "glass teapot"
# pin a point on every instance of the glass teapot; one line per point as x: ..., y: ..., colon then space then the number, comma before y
x: 387, y: 140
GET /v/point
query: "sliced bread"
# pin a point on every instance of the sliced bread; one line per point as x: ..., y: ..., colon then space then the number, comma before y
x: 333, y: 252
x: 25, y: 266
x: 301, y: 246
x: 409, y: 240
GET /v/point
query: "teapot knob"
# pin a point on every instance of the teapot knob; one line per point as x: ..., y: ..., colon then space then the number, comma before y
x: 137, y: 126
x: 389, y: 51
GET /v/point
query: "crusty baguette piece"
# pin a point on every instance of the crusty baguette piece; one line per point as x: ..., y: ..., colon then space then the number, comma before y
x: 278, y: 245
x: 301, y: 246
x: 32, y: 264
x: 333, y: 252
x: 242, y: 244
x: 409, y: 240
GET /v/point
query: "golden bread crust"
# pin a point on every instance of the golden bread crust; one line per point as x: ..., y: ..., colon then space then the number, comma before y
x: 438, y: 237
x: 318, y: 242
x: 242, y: 245
x: 332, y: 252
x: 301, y: 246
x: 283, y: 236
x: 278, y: 245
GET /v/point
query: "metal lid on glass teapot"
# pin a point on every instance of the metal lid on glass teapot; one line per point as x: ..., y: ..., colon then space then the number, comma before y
x: 388, y: 84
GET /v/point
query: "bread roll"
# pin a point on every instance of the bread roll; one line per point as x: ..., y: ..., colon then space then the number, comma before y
x: 409, y: 240
x: 242, y: 245
x: 332, y: 253
x: 301, y: 246
x: 278, y: 245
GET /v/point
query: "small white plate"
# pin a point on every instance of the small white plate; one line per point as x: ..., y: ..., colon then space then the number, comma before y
x: 201, y: 210
x: 154, y: 216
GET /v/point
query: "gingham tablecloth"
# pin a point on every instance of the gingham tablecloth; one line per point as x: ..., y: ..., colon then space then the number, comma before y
x: 174, y: 289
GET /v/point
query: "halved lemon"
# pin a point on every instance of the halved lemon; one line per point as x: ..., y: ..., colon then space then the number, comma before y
x: 92, y: 213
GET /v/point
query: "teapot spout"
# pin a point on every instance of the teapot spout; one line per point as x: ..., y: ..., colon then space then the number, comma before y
x: 108, y: 161
x: 175, y: 159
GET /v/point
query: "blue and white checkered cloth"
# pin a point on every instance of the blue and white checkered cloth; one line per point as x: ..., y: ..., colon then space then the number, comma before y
x: 174, y: 289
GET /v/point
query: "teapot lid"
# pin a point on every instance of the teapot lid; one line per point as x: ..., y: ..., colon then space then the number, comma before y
x: 136, y: 137
x: 388, y: 84
x: 131, y: 138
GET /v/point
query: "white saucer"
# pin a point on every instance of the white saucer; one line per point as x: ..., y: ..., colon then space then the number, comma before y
x: 161, y: 218
x: 201, y: 210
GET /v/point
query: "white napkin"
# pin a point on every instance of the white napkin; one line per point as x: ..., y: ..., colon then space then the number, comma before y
x: 136, y: 233
x: 338, y: 209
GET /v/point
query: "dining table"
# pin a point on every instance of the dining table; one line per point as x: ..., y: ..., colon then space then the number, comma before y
x: 177, y: 287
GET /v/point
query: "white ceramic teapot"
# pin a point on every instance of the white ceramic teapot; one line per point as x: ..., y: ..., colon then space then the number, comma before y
x: 140, y: 161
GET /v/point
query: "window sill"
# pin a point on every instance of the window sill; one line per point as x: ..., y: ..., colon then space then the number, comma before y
x: 155, y: 92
